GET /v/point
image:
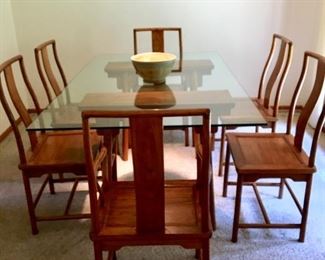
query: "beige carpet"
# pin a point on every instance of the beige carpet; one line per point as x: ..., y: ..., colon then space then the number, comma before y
x: 70, y: 240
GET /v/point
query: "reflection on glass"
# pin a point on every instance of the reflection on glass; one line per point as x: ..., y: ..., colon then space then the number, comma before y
x: 154, y: 96
x: 110, y: 82
x: 191, y: 73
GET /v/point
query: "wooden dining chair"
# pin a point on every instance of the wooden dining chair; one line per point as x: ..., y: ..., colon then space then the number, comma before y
x: 150, y: 210
x: 158, y: 45
x: 269, y: 91
x: 50, y: 69
x: 278, y: 155
x: 47, y: 154
x: 47, y: 61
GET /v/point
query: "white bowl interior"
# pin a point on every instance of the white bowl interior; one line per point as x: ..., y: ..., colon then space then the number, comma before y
x: 153, y: 57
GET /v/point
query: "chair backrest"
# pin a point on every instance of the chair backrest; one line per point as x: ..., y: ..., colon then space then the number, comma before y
x: 316, y: 91
x: 146, y: 130
x: 7, y: 71
x: 44, y: 53
x: 283, y: 47
x: 158, y: 40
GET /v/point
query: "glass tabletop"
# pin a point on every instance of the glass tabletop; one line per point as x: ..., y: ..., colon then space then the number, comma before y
x: 109, y: 82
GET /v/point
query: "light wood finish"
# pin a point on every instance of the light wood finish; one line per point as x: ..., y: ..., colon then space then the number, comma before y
x: 276, y: 155
x: 158, y: 45
x: 268, y: 88
x: 43, y: 54
x: 150, y: 210
x: 49, y: 154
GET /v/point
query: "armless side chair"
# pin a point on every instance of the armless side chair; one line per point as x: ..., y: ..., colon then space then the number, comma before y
x: 280, y: 57
x: 46, y: 154
x: 279, y: 155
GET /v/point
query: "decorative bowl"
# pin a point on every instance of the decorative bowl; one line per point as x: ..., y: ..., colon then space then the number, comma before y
x: 153, y: 67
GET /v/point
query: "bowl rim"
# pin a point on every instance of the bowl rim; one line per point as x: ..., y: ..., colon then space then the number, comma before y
x: 170, y: 56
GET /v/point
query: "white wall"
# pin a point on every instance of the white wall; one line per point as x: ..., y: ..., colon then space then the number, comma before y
x: 8, y: 46
x: 239, y: 30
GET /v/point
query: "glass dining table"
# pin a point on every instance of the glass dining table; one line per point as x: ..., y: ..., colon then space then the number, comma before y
x: 110, y: 82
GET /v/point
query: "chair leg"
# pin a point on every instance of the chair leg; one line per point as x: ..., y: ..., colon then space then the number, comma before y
x: 111, y: 143
x: 30, y: 205
x: 222, y: 148
x: 111, y: 255
x: 197, y: 253
x: 305, y: 210
x: 98, y: 252
x: 186, y: 141
x: 212, y: 141
x: 281, y: 188
x: 205, y: 250
x: 51, y: 184
x: 125, y: 144
x: 226, y: 175
x: 211, y: 206
x: 237, y: 209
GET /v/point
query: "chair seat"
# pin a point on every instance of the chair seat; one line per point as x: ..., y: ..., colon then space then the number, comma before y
x: 59, y: 152
x: 271, y: 155
x: 181, y: 211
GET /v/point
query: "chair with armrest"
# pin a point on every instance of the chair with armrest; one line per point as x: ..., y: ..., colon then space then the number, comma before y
x: 49, y: 154
x: 279, y: 155
x: 45, y: 53
x: 279, y: 60
x: 151, y: 210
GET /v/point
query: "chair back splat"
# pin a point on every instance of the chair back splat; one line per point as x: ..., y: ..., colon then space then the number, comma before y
x: 150, y: 213
x: 42, y: 53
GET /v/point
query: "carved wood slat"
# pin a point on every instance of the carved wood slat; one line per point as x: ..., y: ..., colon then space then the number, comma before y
x: 275, y: 73
x: 146, y: 139
x: 49, y: 72
x: 42, y: 54
x: 14, y: 94
x: 17, y: 101
x: 158, y: 40
x: 311, y: 102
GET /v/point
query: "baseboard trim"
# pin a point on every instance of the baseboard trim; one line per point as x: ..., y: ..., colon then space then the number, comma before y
x: 6, y: 132
x: 32, y: 110
x: 286, y: 108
